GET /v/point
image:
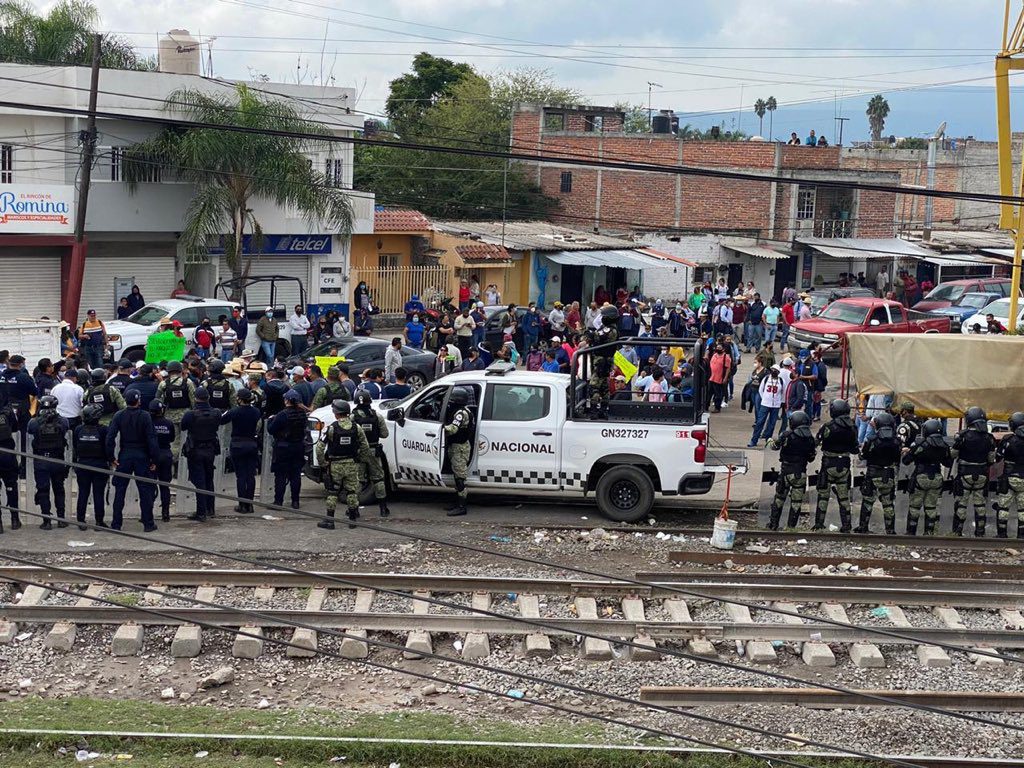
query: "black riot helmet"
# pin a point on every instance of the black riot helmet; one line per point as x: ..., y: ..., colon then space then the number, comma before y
x: 458, y: 397
x: 92, y: 412
x: 931, y: 427
x: 82, y: 377
x: 609, y: 316
x: 216, y: 366
x: 48, y: 403
x: 799, y: 419
x: 98, y: 376
x: 245, y: 396
x: 883, y: 420
x: 341, y: 407
x: 975, y: 416
x: 838, y: 408
x: 1016, y: 421
x: 363, y: 398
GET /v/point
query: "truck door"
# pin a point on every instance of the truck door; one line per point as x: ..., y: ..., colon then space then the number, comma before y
x: 418, y: 440
x: 878, y: 320
x: 518, y: 438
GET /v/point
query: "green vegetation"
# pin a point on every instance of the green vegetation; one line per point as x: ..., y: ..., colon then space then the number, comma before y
x: 128, y: 599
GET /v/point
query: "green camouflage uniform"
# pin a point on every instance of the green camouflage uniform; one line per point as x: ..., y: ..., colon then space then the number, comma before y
x: 115, y: 396
x: 174, y: 414
x: 343, y: 474
x: 796, y: 450
x: 602, y: 363
x: 374, y: 468
x: 328, y: 393
x: 838, y: 439
x: 1011, y: 484
x: 928, y: 455
x: 459, y: 453
x: 882, y: 454
x: 975, y: 451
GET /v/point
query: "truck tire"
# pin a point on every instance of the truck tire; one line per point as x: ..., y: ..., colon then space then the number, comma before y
x: 625, y: 494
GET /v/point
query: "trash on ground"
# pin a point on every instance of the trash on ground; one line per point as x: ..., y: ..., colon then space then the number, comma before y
x: 515, y: 693
x: 271, y: 517
x: 78, y: 544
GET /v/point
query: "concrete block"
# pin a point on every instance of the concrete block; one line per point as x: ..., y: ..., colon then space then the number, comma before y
x: 420, y: 607
x: 951, y: 619
x: 818, y: 655
x: 593, y: 649
x: 702, y: 648
x: 8, y: 631
x: 1013, y: 619
x: 61, y: 637
x: 933, y: 657
x: 352, y: 648
x: 153, y: 597
x: 985, y: 661
x: 866, y: 656
x: 948, y: 616
x: 476, y: 646
x: 207, y: 594
x: 246, y: 647
x: 127, y: 640
x: 538, y: 645
x: 187, y: 642
x: 633, y: 609
x: 364, y: 600
x: 34, y: 595
x: 760, y: 652
x: 738, y: 614
x: 481, y: 601
x: 643, y: 654
x: 678, y: 610
x: 417, y: 644
x: 264, y: 594
x: 303, y: 644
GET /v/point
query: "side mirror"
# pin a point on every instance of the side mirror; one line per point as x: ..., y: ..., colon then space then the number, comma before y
x: 874, y: 322
x: 397, y: 414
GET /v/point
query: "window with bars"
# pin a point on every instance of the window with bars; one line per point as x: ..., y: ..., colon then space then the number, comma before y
x: 566, y: 182
x: 334, y: 172
x: 805, y: 202
x: 6, y: 164
x: 114, y: 159
x: 388, y: 260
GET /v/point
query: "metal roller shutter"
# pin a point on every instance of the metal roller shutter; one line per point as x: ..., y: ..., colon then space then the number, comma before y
x: 151, y: 264
x: 830, y: 268
x: 30, y: 283
x: 287, y: 293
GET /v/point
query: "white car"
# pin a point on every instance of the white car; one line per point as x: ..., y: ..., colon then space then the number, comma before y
x: 1000, y: 309
x: 127, y: 338
x: 529, y: 441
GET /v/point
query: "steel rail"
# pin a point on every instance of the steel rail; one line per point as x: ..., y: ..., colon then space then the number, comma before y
x: 932, y: 583
x: 821, y: 698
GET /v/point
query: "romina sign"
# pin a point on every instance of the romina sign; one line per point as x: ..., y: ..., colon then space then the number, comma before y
x: 37, y: 209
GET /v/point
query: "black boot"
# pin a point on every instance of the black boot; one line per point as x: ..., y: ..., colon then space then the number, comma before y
x: 864, y: 525
x: 47, y: 523
x: 979, y: 526
x: 929, y: 526
x: 773, y: 519
x: 165, y: 515
x: 245, y: 509
x: 845, y: 521
x: 384, y: 511
x: 890, y: 525
x: 1001, y: 529
x: 911, y: 527
x: 793, y: 520
x: 958, y: 526
x: 327, y: 524
x: 819, y: 521
x: 61, y: 522
x: 81, y: 524
x: 459, y: 511
x: 15, y: 521
x: 353, y: 515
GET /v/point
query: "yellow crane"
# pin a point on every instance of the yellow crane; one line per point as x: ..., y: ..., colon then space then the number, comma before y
x: 1011, y: 216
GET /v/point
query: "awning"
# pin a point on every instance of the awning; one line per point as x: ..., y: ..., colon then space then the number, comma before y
x: 622, y: 259
x: 845, y: 248
x: 669, y: 256
x: 758, y: 251
x: 1004, y: 254
x: 963, y: 260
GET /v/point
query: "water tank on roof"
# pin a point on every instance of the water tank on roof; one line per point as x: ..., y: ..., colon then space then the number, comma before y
x: 178, y: 52
x: 661, y: 124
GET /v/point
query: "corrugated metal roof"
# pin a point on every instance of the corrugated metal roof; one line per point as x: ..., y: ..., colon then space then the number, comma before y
x: 626, y: 259
x: 760, y: 251
x: 532, y: 236
x: 865, y: 247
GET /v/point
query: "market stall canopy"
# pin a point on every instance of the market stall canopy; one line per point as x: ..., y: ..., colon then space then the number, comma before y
x: 866, y: 248
x: 759, y: 251
x: 962, y: 260
x: 617, y: 258
x: 941, y: 374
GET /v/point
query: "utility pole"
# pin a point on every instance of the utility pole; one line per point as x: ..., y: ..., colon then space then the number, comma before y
x: 1011, y: 216
x: 76, y: 272
x: 739, y: 112
x: 841, y: 121
x: 929, y: 203
x: 650, y: 112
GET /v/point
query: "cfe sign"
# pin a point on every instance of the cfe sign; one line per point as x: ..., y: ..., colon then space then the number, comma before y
x: 37, y: 208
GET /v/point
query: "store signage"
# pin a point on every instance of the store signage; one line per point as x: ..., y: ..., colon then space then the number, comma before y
x: 37, y: 208
x: 283, y: 245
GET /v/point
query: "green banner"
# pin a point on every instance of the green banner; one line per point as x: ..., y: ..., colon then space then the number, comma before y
x: 165, y: 346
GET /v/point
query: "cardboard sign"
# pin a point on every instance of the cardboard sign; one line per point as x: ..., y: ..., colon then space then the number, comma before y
x: 323, y: 363
x: 165, y: 346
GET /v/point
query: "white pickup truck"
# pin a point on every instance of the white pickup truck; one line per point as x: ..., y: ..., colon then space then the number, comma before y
x: 530, y: 442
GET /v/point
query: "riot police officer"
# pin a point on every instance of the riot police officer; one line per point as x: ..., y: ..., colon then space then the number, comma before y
x: 178, y: 394
x: 89, y: 446
x: 49, y: 435
x: 137, y: 455
x: 222, y: 393
x: 608, y: 333
x: 928, y: 454
x: 288, y: 428
x: 9, y: 461
x: 374, y: 427
x: 244, y: 419
x: 975, y: 451
x: 339, y: 452
x: 165, y: 432
x: 881, y: 451
x: 838, y: 439
x: 202, y: 446
x: 101, y: 393
x: 796, y: 448
x: 1011, y: 484
x: 909, y: 427
x: 459, y: 432
x: 19, y: 389
x: 123, y: 377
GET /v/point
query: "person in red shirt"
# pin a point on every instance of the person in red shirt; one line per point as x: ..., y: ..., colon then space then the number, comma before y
x: 601, y: 296
x: 910, y: 290
x: 788, y: 318
x: 464, y: 294
x: 573, y: 321
x: 720, y: 366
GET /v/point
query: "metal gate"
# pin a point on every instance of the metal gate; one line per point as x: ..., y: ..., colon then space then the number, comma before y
x: 391, y: 287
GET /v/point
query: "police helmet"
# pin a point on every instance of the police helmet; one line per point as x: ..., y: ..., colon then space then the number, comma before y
x: 245, y: 396
x: 341, y: 407
x: 931, y: 427
x: 82, y: 377
x: 202, y: 394
x: 216, y: 366
x: 156, y: 407
x: 459, y: 396
x: 838, y: 408
x: 174, y: 366
x: 1016, y: 421
x: 363, y: 398
x: 975, y: 415
x: 609, y: 315
x: 98, y: 376
x: 92, y: 412
x: 47, y: 403
x: 799, y: 419
x: 907, y: 407
x: 884, y: 419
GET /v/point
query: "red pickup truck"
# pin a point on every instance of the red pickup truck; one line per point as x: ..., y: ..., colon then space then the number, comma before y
x: 863, y: 315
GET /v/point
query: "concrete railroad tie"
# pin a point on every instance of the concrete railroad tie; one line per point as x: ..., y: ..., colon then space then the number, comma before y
x: 537, y: 644
x: 304, y: 637
x: 814, y: 653
x: 928, y: 655
x: 31, y: 596
x: 418, y: 642
x: 757, y: 651
x: 633, y: 610
x: 863, y: 655
x: 594, y: 649
x: 354, y: 647
x: 951, y: 619
x: 680, y: 613
x: 476, y: 645
x: 62, y: 636
x: 188, y: 638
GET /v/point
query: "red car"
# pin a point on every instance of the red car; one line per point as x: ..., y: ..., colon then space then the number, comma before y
x: 946, y: 294
x: 863, y: 315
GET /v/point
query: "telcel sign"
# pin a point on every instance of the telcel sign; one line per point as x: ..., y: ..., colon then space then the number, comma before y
x: 34, y: 209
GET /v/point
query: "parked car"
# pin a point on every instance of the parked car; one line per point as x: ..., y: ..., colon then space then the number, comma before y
x: 944, y: 294
x: 967, y: 305
x: 493, y: 331
x: 822, y: 297
x: 363, y: 353
x: 1000, y: 309
x: 863, y: 315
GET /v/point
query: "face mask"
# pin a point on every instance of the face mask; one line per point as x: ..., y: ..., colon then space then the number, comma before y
x: 270, y: 314
x: 415, y: 318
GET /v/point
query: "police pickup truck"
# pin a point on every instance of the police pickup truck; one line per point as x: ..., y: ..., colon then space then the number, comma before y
x: 536, y: 435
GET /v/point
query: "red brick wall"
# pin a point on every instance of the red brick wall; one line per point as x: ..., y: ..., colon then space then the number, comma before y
x: 911, y: 208
x: 875, y: 214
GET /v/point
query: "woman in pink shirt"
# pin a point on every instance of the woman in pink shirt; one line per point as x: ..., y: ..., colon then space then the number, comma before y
x: 720, y: 365
x: 657, y: 388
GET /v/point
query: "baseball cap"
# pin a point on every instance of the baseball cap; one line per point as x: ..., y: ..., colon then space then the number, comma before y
x: 291, y: 396
x: 787, y: 362
x: 620, y: 377
x: 175, y: 324
x: 124, y: 365
x: 298, y: 370
x: 91, y: 312
x: 132, y: 397
x: 557, y: 338
x: 269, y: 309
x: 202, y: 393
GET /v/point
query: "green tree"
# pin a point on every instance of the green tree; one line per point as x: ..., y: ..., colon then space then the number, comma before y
x: 636, y: 117
x: 413, y: 93
x: 62, y: 36
x: 760, y: 108
x: 877, y: 111
x: 230, y: 170
x: 771, y: 105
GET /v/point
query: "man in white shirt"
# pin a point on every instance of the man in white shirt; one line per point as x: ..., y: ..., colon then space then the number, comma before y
x: 464, y: 327
x: 772, y: 393
x: 298, y: 326
x: 556, y: 318
x: 803, y: 309
x: 69, y: 398
x: 227, y: 337
x: 882, y: 281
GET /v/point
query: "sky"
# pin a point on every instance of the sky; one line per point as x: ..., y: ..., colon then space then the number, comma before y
x: 706, y: 56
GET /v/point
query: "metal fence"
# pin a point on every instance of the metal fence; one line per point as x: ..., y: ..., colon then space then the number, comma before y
x: 391, y: 287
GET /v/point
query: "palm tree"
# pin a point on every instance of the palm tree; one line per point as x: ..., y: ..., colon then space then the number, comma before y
x: 231, y: 169
x: 760, y: 107
x: 771, y: 105
x: 63, y: 36
x: 877, y: 111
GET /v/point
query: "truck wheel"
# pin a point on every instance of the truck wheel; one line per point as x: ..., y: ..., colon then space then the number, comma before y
x: 625, y: 494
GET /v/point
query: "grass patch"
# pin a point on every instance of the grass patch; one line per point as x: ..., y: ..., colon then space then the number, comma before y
x: 128, y: 599
x: 103, y: 715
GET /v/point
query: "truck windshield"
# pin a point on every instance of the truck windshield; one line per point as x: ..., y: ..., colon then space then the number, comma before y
x: 845, y: 313
x: 149, y: 315
x: 948, y: 292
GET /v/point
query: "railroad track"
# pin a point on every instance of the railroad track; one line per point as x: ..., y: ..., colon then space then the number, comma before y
x: 952, y: 612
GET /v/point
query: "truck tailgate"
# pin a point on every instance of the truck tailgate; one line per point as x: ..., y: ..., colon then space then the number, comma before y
x: 719, y: 461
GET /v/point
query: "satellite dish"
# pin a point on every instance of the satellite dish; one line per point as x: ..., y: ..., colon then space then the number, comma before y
x: 941, y: 131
